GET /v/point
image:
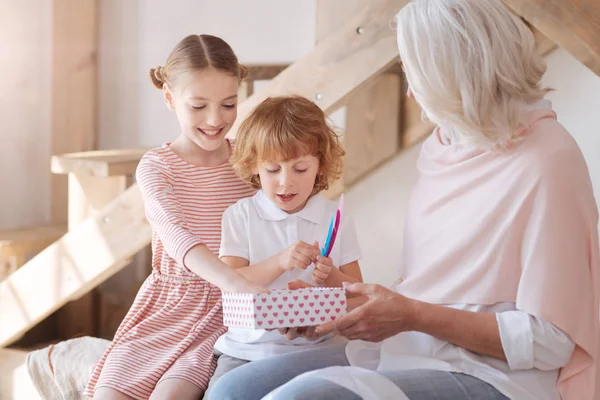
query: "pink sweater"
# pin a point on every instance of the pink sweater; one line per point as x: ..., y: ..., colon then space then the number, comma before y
x: 518, y: 226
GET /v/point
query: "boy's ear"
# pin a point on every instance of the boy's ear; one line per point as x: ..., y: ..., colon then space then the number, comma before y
x: 168, y: 96
x: 254, y: 170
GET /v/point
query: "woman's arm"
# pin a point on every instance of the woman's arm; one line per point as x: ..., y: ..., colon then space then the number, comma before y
x: 388, y: 313
x: 474, y: 331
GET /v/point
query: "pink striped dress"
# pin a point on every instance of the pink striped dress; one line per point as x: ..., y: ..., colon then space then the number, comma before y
x: 173, y: 324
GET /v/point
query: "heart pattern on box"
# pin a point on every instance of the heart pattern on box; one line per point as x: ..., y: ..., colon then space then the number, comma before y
x: 283, y: 308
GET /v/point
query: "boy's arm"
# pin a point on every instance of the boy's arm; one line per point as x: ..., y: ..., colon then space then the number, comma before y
x: 346, y: 273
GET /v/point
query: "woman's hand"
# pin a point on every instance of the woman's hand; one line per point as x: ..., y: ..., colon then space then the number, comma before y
x: 299, y: 255
x: 385, y: 314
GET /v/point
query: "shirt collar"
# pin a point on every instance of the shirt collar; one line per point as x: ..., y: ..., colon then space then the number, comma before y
x: 313, y: 211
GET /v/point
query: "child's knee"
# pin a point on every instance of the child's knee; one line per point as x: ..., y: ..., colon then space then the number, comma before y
x: 226, y: 388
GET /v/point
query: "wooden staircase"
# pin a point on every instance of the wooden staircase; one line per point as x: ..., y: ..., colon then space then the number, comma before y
x: 104, y: 235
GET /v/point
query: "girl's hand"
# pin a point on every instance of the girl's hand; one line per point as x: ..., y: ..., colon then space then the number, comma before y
x: 298, y: 284
x: 322, y: 269
x: 299, y: 255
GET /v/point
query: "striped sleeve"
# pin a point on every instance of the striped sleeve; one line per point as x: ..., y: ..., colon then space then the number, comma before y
x: 163, y: 209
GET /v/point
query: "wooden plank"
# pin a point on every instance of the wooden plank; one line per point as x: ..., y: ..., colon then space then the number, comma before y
x: 574, y: 25
x: 74, y: 86
x: 341, y: 63
x: 543, y: 45
x: 265, y: 72
x: 414, y: 128
x: 246, y: 89
x: 88, y: 195
x: 75, y: 264
x: 100, y: 164
x: 372, y: 133
x: 332, y: 14
x: 24, y: 241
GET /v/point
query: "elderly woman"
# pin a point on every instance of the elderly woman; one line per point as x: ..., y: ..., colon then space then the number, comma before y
x: 499, y: 290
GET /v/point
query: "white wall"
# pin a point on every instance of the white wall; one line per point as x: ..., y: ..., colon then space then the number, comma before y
x: 577, y: 103
x: 378, y: 204
x: 25, y: 54
x: 139, y: 34
x: 378, y: 207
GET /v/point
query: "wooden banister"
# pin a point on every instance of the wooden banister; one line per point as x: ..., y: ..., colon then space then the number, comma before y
x: 100, y: 164
x: 574, y: 25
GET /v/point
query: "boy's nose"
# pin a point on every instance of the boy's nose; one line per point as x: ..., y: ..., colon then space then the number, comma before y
x: 285, y: 180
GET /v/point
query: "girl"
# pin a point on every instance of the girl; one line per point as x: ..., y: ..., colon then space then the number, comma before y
x: 163, y: 347
x: 285, y: 148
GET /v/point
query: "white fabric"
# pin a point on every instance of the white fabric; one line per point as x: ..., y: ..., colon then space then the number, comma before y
x: 64, y: 374
x: 531, y: 342
x: 538, y: 341
x: 365, y: 383
x: 256, y: 229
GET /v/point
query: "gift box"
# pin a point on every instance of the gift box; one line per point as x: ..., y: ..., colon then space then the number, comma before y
x: 283, y: 308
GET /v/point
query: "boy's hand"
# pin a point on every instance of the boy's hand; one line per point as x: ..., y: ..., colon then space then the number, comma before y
x: 299, y: 255
x: 323, y: 268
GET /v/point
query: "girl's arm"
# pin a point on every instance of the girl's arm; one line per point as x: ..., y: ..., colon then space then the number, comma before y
x: 201, y: 261
x: 264, y: 273
x: 168, y: 221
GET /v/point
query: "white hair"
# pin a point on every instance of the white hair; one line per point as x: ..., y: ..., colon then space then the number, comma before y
x: 472, y: 65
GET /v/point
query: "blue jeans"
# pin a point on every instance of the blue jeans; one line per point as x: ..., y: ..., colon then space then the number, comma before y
x: 258, y: 378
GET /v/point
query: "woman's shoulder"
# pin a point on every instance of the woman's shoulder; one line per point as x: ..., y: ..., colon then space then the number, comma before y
x: 553, y: 161
x: 549, y: 146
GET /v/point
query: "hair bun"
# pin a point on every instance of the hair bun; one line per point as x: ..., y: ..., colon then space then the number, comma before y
x: 243, y: 71
x: 157, y: 76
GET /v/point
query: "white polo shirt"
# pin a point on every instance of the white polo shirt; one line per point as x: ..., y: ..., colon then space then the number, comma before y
x: 255, y: 228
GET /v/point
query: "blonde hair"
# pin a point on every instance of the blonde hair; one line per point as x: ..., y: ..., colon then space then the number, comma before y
x: 284, y: 128
x: 194, y: 53
x: 471, y: 65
